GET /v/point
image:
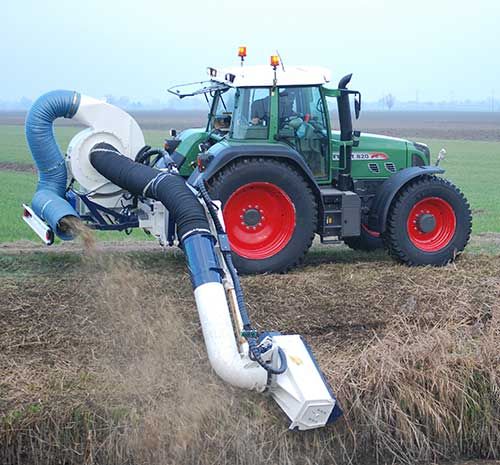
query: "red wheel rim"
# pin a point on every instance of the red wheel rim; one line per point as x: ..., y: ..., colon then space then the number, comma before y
x: 443, y: 220
x: 260, y: 220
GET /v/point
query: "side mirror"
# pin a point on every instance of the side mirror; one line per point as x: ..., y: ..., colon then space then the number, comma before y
x: 357, y: 104
x: 173, y: 132
x: 441, y: 156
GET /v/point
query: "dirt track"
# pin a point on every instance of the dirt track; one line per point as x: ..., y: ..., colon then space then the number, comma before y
x: 24, y: 246
x: 20, y: 247
x: 22, y: 168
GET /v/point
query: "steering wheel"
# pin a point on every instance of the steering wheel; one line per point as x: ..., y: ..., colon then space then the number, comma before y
x: 319, y: 105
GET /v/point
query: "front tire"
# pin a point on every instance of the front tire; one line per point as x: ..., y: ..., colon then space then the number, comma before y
x: 269, y: 211
x: 429, y: 223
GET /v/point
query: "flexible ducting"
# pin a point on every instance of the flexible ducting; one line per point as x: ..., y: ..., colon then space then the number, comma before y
x: 49, y: 201
x: 140, y: 179
x: 194, y: 231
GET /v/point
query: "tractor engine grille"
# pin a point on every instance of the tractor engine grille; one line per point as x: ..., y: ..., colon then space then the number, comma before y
x: 373, y: 167
x: 391, y: 167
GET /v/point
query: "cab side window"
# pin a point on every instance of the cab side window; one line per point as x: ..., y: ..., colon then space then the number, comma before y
x: 302, y: 122
x: 251, y: 113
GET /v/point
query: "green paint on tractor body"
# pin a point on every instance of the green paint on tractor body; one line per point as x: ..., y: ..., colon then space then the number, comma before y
x: 190, y: 141
x: 376, y: 157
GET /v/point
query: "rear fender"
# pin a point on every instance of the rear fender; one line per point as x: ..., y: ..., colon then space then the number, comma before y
x: 230, y: 154
x: 388, y: 190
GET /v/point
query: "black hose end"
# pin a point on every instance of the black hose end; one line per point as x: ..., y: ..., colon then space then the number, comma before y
x: 96, y: 152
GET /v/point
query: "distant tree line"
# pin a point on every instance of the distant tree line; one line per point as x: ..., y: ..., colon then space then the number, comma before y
x: 386, y: 102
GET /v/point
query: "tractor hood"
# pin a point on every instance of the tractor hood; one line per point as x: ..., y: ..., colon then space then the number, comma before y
x: 367, y: 137
x: 374, y: 146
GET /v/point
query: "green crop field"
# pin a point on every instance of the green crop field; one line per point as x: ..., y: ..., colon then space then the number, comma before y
x: 472, y: 165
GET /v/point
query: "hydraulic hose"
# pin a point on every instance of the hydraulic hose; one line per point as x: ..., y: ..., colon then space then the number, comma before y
x: 49, y: 201
x: 144, y: 156
x: 249, y: 333
x: 229, y: 259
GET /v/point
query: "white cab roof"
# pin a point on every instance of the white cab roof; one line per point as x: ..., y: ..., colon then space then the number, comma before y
x: 263, y: 75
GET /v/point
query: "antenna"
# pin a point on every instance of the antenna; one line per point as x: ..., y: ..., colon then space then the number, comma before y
x: 281, y: 61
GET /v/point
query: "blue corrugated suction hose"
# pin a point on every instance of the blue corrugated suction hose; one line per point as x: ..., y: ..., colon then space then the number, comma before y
x: 49, y: 201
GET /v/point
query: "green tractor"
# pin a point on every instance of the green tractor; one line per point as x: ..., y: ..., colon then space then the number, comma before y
x: 283, y: 174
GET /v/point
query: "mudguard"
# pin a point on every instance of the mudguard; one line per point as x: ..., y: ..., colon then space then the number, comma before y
x: 388, y: 190
x: 231, y: 153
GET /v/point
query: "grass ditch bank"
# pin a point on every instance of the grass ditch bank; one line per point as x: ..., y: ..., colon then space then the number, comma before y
x: 102, y: 361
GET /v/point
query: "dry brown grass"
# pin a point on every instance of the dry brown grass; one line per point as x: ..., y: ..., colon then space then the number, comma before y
x: 102, y: 362
x: 426, y: 394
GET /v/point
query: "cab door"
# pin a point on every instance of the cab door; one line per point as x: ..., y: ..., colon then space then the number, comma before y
x: 303, y: 123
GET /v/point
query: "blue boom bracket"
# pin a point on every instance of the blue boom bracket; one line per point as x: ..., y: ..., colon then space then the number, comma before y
x: 96, y: 220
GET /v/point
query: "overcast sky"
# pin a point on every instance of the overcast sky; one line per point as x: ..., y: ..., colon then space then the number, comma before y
x: 441, y: 49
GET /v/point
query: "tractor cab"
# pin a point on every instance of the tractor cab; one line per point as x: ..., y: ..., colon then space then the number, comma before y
x: 289, y: 107
x: 266, y: 105
x: 294, y: 115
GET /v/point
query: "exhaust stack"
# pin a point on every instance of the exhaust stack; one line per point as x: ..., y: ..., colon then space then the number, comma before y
x: 345, y: 154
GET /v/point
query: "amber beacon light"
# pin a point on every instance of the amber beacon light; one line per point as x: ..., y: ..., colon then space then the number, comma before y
x: 242, y: 53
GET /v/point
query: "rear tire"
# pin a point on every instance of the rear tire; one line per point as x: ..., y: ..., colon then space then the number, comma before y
x: 429, y: 223
x: 367, y: 241
x: 270, y: 214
